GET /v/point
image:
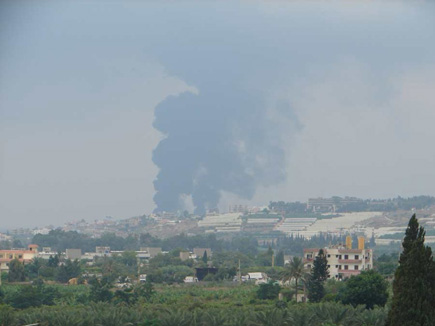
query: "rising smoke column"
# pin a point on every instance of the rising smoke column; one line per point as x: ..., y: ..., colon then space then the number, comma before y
x: 218, y: 140
x: 227, y: 137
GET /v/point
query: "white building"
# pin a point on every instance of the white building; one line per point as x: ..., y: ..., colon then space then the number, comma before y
x: 190, y: 279
x: 258, y: 277
x: 343, y: 261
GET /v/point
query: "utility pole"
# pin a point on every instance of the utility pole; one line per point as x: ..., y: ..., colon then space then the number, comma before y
x: 138, y: 269
x: 239, y: 274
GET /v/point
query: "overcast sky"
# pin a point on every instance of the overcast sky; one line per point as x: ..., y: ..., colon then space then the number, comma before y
x: 348, y: 86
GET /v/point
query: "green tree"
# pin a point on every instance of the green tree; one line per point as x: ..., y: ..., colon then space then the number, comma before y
x: 372, y: 241
x: 204, y: 257
x: 53, y: 261
x: 16, y: 271
x: 268, y: 291
x: 145, y: 290
x: 100, y: 289
x: 386, y: 264
x: 414, y: 281
x: 279, y: 260
x: 319, y: 274
x: 265, y: 258
x: 294, y: 270
x: 32, y: 269
x: 369, y: 289
x: 32, y: 296
x: 128, y: 258
x: 68, y: 271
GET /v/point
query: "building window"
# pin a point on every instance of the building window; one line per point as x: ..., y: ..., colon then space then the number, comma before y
x: 20, y: 256
x: 346, y: 256
x: 336, y: 266
x: 356, y: 267
x: 308, y: 266
x: 346, y: 267
x: 329, y: 266
x: 356, y: 257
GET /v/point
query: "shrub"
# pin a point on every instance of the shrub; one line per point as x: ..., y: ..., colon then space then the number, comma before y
x: 268, y: 291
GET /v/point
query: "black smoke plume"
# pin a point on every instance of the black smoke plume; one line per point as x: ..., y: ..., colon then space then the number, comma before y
x: 215, y: 141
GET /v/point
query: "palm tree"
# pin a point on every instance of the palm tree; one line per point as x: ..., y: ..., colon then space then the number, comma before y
x: 305, y: 278
x: 334, y: 314
x: 176, y: 318
x: 271, y: 317
x: 294, y: 270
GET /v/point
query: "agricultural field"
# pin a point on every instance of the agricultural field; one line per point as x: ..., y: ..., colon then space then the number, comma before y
x: 178, y: 305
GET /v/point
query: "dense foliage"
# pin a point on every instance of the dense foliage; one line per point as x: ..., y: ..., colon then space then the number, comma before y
x: 414, y: 281
x: 369, y: 289
x: 386, y: 264
x: 299, y: 209
x: 16, y: 271
x: 195, y: 306
x: 268, y: 290
x: 319, y: 275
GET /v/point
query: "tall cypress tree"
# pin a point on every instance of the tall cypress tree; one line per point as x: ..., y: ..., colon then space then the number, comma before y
x: 414, y: 282
x: 319, y: 274
x: 279, y: 260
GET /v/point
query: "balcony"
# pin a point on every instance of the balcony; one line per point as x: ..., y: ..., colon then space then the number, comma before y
x: 350, y: 261
x: 349, y: 271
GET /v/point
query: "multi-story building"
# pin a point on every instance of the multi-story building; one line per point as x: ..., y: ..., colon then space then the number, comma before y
x: 343, y: 261
x: 24, y: 256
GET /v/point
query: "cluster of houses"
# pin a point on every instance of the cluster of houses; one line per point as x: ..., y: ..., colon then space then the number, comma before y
x: 343, y: 260
x: 27, y: 255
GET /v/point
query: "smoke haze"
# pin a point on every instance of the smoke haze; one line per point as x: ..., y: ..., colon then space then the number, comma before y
x: 221, y: 139
x: 122, y: 108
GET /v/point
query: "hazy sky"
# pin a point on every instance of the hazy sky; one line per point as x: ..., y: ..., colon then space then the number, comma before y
x: 349, y: 88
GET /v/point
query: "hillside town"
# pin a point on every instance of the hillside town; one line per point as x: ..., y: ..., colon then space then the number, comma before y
x: 381, y: 220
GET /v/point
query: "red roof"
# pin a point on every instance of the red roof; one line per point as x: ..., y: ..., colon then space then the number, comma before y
x: 311, y: 249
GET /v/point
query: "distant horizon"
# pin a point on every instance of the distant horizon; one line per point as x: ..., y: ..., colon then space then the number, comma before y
x: 9, y: 229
